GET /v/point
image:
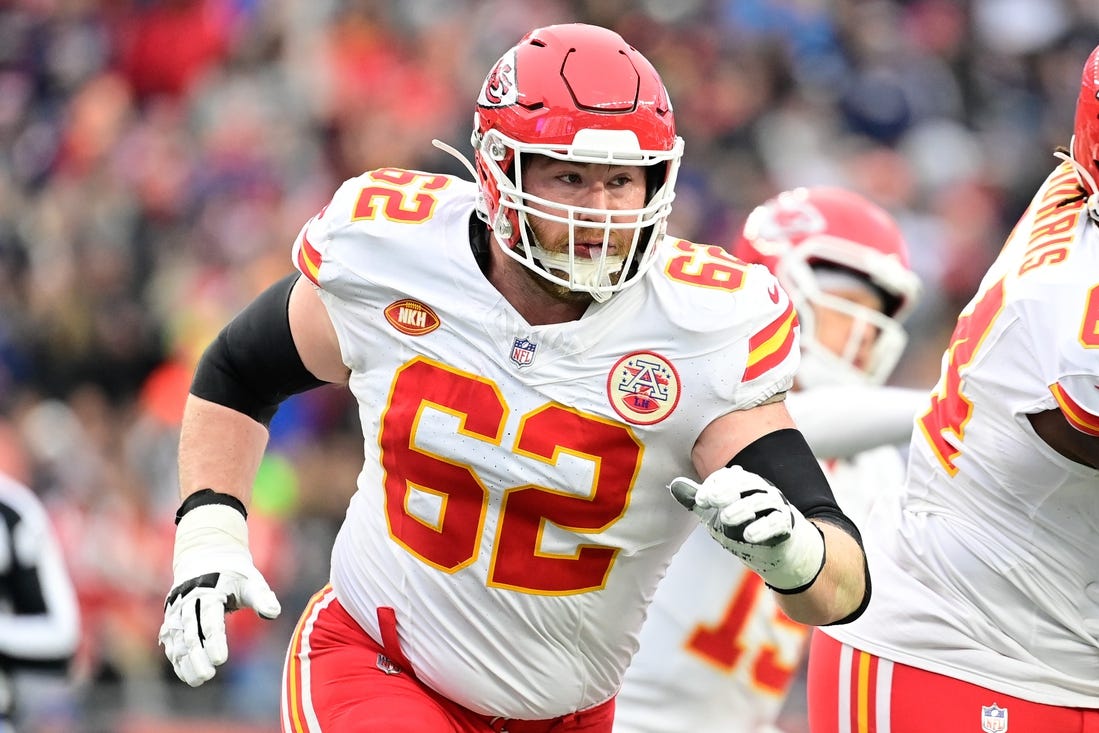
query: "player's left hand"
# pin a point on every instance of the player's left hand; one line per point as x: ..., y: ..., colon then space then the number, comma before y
x: 752, y: 519
x: 214, y: 574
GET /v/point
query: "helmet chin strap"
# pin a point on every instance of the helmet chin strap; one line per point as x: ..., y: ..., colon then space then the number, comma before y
x: 1086, y: 177
x: 453, y: 152
x: 584, y: 272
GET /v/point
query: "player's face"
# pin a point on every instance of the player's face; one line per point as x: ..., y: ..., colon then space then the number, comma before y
x: 835, y: 329
x: 589, y: 186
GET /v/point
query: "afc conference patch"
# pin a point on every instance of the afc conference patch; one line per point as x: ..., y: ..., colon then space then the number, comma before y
x: 643, y: 387
x: 993, y: 718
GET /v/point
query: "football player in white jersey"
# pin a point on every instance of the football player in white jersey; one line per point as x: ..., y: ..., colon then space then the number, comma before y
x: 39, y: 614
x: 553, y: 393
x: 717, y: 653
x: 986, y: 580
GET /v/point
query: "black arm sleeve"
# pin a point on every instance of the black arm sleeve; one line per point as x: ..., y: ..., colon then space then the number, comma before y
x: 253, y: 364
x: 784, y: 458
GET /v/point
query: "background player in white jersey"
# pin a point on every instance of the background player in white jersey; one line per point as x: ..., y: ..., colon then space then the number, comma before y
x: 717, y: 653
x: 536, y: 363
x: 986, y: 586
x: 39, y: 617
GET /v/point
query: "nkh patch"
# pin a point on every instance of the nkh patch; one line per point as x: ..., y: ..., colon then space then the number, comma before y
x: 993, y: 718
x: 411, y: 317
x: 643, y: 387
x: 522, y: 352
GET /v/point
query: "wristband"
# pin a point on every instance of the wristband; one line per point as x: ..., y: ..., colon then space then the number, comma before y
x: 805, y: 586
x: 203, y: 497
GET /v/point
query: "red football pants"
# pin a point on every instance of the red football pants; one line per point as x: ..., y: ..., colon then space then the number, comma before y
x: 852, y: 691
x: 339, y: 680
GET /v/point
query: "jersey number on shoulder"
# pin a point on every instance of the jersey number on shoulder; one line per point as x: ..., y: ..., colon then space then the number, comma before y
x: 950, y: 409
x: 706, y: 266
x: 529, y: 517
x: 725, y: 643
x: 398, y: 195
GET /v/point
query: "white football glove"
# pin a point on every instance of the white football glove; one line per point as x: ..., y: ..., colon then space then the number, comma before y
x: 213, y: 575
x: 751, y: 518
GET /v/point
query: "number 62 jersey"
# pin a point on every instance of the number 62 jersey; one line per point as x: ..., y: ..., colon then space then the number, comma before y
x: 987, y: 569
x: 512, y: 507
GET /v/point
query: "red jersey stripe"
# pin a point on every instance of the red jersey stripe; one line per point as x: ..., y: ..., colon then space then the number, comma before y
x: 771, y: 345
x: 1077, y: 416
x: 309, y: 260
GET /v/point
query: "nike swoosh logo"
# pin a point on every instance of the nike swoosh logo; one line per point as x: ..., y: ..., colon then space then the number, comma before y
x: 773, y: 292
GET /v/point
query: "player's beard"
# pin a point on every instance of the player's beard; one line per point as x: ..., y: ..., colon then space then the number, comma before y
x: 616, y: 243
x: 559, y: 292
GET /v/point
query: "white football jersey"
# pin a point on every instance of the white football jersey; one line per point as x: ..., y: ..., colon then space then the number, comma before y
x: 987, y: 569
x: 512, y: 507
x: 717, y: 653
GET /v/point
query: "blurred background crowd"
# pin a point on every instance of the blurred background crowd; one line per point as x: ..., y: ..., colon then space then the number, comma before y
x: 159, y: 157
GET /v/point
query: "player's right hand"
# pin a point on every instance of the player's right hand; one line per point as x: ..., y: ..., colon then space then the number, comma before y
x: 213, y: 575
x: 752, y: 519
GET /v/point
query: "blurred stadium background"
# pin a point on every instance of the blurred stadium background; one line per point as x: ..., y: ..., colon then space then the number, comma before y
x: 158, y: 159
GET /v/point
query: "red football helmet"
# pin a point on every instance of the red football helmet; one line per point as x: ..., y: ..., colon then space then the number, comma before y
x: 1085, y: 132
x: 579, y: 93
x: 814, y: 238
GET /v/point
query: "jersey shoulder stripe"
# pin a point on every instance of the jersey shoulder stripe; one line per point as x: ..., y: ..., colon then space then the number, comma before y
x: 1077, y: 416
x: 306, y: 257
x: 771, y: 344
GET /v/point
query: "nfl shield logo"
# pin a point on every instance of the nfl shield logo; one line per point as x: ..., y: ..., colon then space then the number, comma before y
x: 993, y: 718
x: 387, y: 665
x: 522, y: 352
